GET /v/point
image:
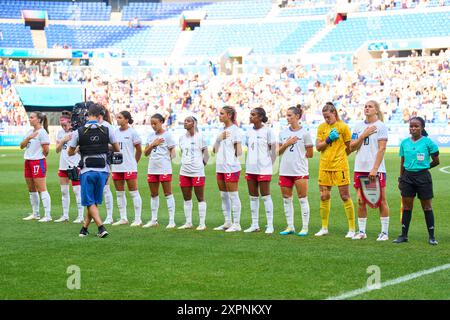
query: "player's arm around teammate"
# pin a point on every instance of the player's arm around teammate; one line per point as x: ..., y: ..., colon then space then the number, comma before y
x: 62, y: 138
x: 161, y: 150
x: 36, y: 144
x: 295, y: 147
x: 228, y: 148
x: 131, y: 149
x: 261, y: 153
x: 194, y: 156
x: 415, y: 177
x: 369, y: 139
x: 333, y: 143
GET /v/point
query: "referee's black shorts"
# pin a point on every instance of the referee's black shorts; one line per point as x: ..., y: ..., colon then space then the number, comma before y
x: 420, y: 183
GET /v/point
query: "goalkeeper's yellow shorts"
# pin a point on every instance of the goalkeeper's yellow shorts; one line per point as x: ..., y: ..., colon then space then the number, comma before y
x: 334, y: 178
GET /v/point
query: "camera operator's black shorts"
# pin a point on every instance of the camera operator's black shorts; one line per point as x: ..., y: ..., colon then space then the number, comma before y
x: 420, y: 183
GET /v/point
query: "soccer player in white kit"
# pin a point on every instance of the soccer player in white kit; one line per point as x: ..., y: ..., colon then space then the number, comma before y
x: 228, y: 169
x: 65, y: 161
x: 161, y: 150
x: 295, y: 147
x: 36, y: 145
x: 106, y: 121
x: 370, y: 138
x: 194, y: 156
x: 130, y: 147
x: 261, y: 153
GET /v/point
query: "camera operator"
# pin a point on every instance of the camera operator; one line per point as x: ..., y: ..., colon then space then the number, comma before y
x: 93, y: 140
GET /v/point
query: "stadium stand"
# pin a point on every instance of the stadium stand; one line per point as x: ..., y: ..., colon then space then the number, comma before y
x: 15, y: 35
x: 93, y: 11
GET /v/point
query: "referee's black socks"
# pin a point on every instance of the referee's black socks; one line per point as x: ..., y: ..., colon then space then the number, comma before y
x: 406, y: 220
x: 429, y: 218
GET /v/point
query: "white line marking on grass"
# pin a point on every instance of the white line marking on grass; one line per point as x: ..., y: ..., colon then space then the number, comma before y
x: 4, y: 155
x: 444, y: 169
x: 354, y: 293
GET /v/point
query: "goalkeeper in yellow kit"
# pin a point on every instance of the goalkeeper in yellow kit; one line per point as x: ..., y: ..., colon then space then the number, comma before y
x: 333, y: 143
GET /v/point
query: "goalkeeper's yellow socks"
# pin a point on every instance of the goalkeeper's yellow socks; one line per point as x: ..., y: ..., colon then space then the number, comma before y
x: 325, y: 207
x: 350, y: 213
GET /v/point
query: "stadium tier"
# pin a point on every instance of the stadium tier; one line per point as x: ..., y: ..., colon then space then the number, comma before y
x: 149, y: 40
x: 350, y: 34
x: 311, y: 11
x: 15, y: 35
x: 263, y: 38
x: 92, y: 11
x: 219, y: 10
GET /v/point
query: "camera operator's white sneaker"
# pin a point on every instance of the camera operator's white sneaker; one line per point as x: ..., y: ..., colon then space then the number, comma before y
x: 151, y: 223
x: 136, y: 224
x: 62, y: 219
x: 120, y: 222
x: 108, y: 221
x: 32, y: 217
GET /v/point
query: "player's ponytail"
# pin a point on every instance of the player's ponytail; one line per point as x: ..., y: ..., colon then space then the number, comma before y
x: 159, y: 117
x: 127, y: 116
x: 377, y: 107
x: 231, y: 112
x: 329, y: 107
x: 261, y: 114
x: 297, y: 110
x: 42, y: 117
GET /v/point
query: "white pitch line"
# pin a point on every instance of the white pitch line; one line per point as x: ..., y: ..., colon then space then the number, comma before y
x: 392, y: 282
x: 444, y: 169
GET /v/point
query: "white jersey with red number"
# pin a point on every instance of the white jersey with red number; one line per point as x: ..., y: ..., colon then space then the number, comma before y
x: 226, y: 161
x: 33, y: 150
x: 127, y: 139
x: 192, y: 155
x: 259, y: 160
x: 66, y: 161
x: 293, y: 160
x: 367, y: 153
x: 159, y: 161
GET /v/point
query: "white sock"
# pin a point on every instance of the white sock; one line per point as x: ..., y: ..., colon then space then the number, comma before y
x: 254, y: 208
x: 137, y: 203
x: 35, y: 202
x: 122, y: 204
x: 154, y: 204
x: 65, y: 197
x: 362, y: 224
x: 77, y: 191
x: 46, y: 203
x: 188, y: 211
x: 108, y: 201
x: 226, y: 206
x: 289, y: 212
x: 202, y: 212
x: 268, y: 204
x: 171, y: 208
x: 235, y: 207
x: 304, y: 206
x: 385, y: 224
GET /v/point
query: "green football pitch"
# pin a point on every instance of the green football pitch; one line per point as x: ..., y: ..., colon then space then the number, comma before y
x: 38, y: 259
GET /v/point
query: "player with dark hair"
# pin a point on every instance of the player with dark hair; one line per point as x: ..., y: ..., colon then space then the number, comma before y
x: 228, y: 147
x: 36, y: 145
x: 130, y: 147
x: 415, y: 178
x: 194, y: 156
x: 333, y: 143
x: 261, y: 153
x: 65, y: 162
x: 161, y: 150
x: 295, y: 147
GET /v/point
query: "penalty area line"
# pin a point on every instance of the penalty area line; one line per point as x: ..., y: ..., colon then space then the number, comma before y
x: 444, y: 169
x: 408, y: 277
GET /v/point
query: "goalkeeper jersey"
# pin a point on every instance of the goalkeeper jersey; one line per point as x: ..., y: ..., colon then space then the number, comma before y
x: 334, y: 157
